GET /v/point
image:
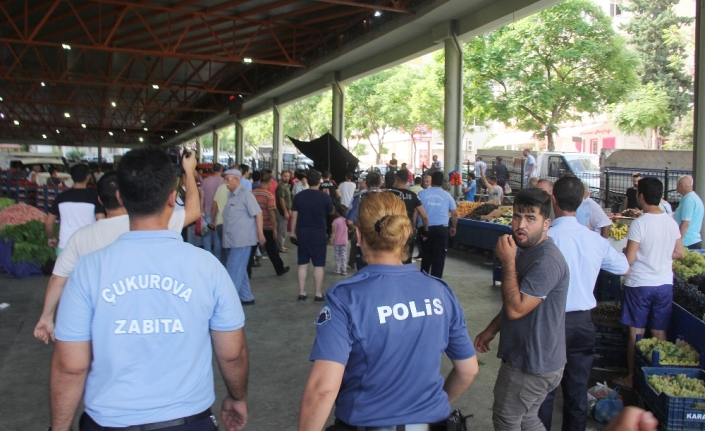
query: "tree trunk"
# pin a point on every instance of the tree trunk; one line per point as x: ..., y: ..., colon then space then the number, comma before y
x: 549, y: 141
x: 654, y: 139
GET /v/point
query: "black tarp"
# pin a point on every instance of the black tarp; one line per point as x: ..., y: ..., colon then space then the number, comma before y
x: 328, y: 155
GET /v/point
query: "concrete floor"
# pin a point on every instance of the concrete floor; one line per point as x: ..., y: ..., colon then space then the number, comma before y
x: 280, y: 332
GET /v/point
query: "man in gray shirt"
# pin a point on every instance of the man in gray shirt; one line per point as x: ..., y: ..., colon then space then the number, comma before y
x: 532, y: 320
x: 242, y: 230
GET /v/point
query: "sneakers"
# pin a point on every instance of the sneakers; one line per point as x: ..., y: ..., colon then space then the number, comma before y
x: 302, y: 298
x: 343, y: 273
x: 252, y: 302
x: 337, y: 272
x: 284, y: 271
x: 319, y: 298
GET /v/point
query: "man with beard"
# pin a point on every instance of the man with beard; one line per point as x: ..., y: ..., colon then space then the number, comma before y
x: 532, y: 320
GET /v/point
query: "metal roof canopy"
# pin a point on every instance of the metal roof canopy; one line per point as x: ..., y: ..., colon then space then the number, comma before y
x: 109, y: 72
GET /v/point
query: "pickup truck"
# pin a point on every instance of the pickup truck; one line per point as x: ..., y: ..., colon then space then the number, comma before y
x: 21, y: 163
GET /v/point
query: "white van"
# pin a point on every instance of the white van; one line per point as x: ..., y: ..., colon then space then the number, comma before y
x: 24, y: 162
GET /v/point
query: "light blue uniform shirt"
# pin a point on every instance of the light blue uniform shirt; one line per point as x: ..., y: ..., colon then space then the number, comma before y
x: 583, y: 213
x: 437, y: 202
x: 586, y: 252
x: 690, y: 209
x: 147, y: 304
x: 529, y: 164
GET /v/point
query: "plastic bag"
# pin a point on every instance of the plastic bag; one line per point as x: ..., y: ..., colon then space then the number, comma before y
x: 607, y: 408
x: 600, y: 391
x: 507, y: 189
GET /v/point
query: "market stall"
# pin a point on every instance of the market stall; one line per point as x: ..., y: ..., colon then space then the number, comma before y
x: 23, y: 240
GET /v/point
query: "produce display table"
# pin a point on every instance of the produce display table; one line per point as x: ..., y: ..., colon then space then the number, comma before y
x: 18, y: 270
x: 479, y: 234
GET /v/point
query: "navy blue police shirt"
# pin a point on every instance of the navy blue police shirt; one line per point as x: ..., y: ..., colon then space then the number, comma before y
x: 390, y: 325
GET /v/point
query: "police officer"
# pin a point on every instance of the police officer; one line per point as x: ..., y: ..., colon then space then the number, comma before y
x: 385, y: 327
x: 139, y: 319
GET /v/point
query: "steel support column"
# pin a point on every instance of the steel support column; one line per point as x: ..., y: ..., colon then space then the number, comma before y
x: 453, y: 120
x: 100, y: 157
x: 216, y: 147
x: 277, y: 138
x: 239, y: 143
x: 699, y: 102
x: 338, y: 123
x: 199, y: 149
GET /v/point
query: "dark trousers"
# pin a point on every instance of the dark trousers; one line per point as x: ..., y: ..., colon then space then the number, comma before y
x: 353, y: 250
x: 696, y: 246
x: 86, y: 423
x: 410, y: 245
x: 433, y: 253
x: 251, y: 261
x: 272, y: 252
x: 580, y: 349
x: 223, y: 251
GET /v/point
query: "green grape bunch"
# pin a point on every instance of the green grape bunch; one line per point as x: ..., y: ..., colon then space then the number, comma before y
x: 682, y: 354
x: 678, y: 385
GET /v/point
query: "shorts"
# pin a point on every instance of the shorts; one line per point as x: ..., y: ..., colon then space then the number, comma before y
x: 649, y: 304
x: 315, y: 253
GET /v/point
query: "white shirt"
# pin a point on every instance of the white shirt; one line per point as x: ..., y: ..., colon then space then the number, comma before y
x: 657, y: 235
x: 347, y: 190
x: 529, y: 166
x: 480, y: 168
x: 586, y: 253
x: 598, y: 218
x: 100, y: 234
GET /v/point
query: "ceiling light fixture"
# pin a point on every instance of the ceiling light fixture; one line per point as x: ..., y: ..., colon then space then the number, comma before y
x: 247, y: 60
x: 114, y: 104
x: 378, y: 13
x: 68, y: 47
x: 57, y: 131
x: 162, y: 137
x: 67, y: 115
x: 83, y: 125
x: 43, y: 84
x: 146, y: 129
x: 2, y: 115
x: 44, y: 136
x: 193, y: 124
x: 0, y: 99
x: 176, y: 131
x: 141, y: 140
x: 17, y: 123
x: 155, y: 86
x: 110, y: 133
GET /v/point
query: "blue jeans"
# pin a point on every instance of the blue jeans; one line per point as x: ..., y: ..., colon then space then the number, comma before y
x: 211, y: 242
x: 237, y: 268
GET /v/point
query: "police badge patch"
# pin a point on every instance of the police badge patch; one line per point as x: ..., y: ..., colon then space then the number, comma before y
x: 323, y: 316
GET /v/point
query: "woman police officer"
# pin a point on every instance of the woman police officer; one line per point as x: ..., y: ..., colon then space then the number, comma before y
x: 381, y: 335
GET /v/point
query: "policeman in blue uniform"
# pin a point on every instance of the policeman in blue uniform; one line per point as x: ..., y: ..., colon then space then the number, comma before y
x: 139, y: 319
x: 381, y: 335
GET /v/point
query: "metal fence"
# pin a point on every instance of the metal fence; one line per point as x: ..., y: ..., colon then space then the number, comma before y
x: 615, y: 182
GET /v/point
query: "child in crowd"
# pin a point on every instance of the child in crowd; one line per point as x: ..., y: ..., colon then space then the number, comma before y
x: 339, y: 238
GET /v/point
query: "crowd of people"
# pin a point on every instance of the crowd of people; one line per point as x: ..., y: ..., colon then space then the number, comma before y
x: 113, y: 330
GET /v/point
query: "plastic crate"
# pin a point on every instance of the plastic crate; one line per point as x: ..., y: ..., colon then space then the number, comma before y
x: 610, y: 357
x: 642, y: 361
x: 673, y: 413
x: 613, y: 335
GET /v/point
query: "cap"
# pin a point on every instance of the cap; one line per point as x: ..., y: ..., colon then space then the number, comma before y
x: 235, y: 172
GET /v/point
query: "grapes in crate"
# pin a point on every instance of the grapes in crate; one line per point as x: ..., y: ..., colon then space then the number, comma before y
x: 680, y: 354
x: 678, y: 385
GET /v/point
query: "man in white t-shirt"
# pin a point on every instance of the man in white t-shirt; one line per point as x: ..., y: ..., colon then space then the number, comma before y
x: 347, y: 190
x: 653, y: 241
x: 530, y: 167
x: 104, y: 232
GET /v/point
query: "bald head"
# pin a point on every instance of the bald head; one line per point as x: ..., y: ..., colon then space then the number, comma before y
x: 685, y: 184
x: 546, y: 186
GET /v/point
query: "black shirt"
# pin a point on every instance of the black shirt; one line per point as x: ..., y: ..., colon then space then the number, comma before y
x: 329, y: 187
x: 500, y: 171
x: 631, y: 198
x: 411, y: 201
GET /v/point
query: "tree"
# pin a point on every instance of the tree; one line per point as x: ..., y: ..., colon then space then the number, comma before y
x: 258, y: 133
x: 656, y: 36
x: 310, y: 118
x: 682, y: 138
x: 366, y: 111
x: 551, y: 67
x: 646, y: 109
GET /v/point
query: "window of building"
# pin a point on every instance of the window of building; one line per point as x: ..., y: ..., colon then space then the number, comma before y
x: 615, y: 8
x: 468, y: 145
x: 593, y: 145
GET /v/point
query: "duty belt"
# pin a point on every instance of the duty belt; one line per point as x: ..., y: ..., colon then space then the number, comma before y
x: 161, y: 425
x: 407, y: 427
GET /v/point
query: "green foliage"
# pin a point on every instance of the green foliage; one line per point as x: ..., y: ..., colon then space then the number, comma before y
x: 6, y: 202
x: 75, y: 154
x: 682, y: 136
x: 549, y: 68
x: 30, y: 242
x: 258, y: 133
x: 226, y: 139
x: 646, y: 108
x: 310, y: 118
x: 657, y: 36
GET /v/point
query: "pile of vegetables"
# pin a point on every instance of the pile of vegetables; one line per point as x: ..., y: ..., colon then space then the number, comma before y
x: 466, y: 207
x: 606, y: 311
x: 24, y: 225
x: 680, y: 354
x: 5, y: 202
x: 481, y: 210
